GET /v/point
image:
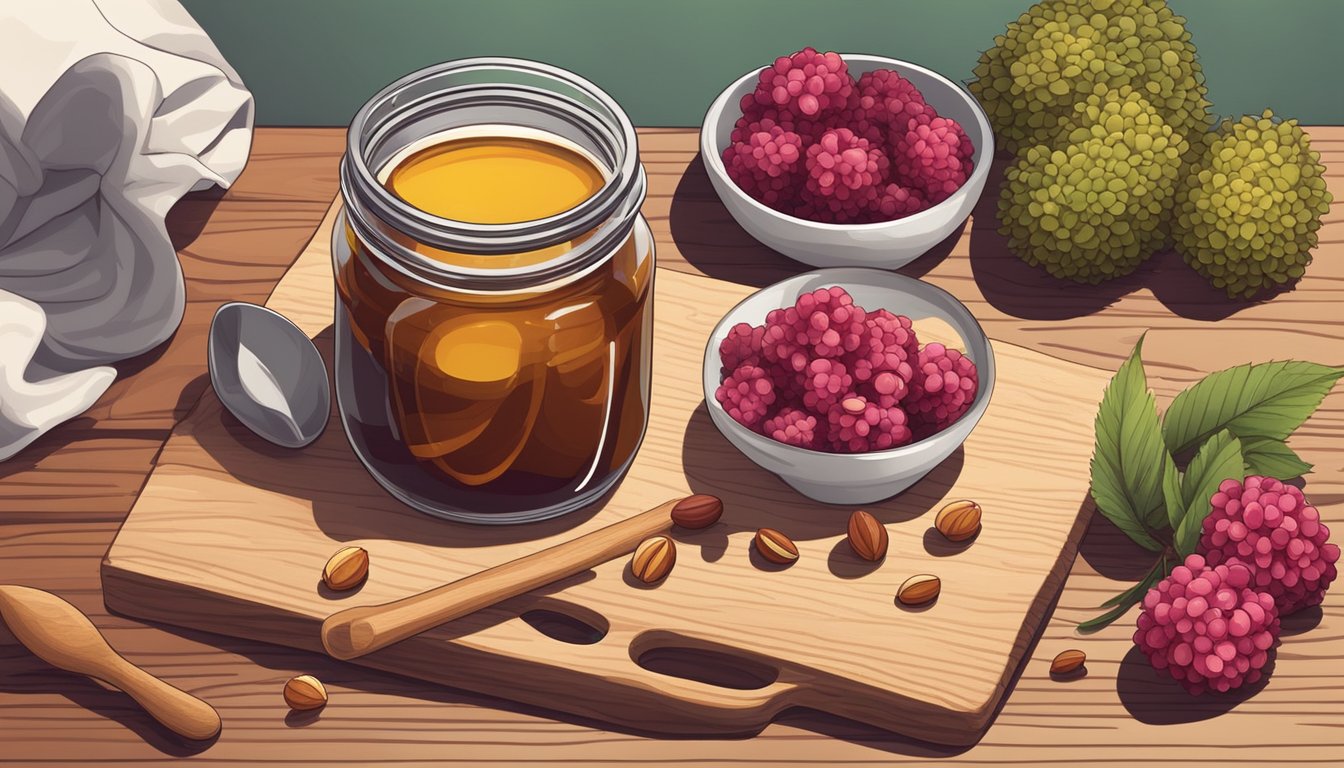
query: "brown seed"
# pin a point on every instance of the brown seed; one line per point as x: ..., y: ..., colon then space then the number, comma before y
x: 1068, y: 662
x: 775, y: 546
x: 959, y: 520
x: 919, y: 589
x: 653, y: 559
x: 346, y: 569
x: 698, y: 511
x: 305, y: 692
x: 867, y: 537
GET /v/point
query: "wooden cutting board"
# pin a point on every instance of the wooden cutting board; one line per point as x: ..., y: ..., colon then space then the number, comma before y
x: 230, y: 534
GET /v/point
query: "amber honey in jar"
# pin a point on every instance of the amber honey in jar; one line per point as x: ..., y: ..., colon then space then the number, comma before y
x: 494, y: 291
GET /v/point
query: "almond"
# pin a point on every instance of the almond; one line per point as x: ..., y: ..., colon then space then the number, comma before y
x: 959, y: 520
x: 775, y: 546
x: 305, y: 692
x: 919, y: 589
x: 346, y: 569
x: 1068, y: 662
x: 867, y: 537
x: 698, y: 511
x: 653, y: 559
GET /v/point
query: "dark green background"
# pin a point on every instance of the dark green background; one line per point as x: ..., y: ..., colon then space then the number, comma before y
x: 313, y: 62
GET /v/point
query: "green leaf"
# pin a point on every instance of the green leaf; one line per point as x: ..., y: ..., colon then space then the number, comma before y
x: 1127, y: 599
x: 1171, y: 492
x: 1262, y: 400
x: 1127, y: 459
x: 1272, y: 458
x: 1218, y: 459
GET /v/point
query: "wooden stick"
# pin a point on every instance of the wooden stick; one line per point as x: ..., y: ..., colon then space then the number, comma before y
x: 356, y: 631
x: 61, y: 635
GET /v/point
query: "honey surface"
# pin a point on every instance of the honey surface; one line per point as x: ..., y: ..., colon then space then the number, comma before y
x: 495, y: 179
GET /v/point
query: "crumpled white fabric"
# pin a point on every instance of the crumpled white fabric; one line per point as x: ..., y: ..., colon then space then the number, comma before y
x: 110, y: 111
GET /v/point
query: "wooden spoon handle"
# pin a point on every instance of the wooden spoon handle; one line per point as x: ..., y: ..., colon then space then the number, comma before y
x: 175, y: 708
x: 354, y: 632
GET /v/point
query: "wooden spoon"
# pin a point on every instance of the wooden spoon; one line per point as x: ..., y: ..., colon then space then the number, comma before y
x: 356, y: 631
x: 56, y: 632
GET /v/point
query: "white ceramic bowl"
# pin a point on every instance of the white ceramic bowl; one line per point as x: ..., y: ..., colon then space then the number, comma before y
x: 859, y: 478
x: 886, y: 245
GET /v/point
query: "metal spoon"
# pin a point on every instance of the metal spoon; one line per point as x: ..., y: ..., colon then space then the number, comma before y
x: 268, y: 374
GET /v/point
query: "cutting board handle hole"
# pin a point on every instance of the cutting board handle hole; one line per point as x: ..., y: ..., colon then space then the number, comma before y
x: 725, y: 670
x: 564, y: 627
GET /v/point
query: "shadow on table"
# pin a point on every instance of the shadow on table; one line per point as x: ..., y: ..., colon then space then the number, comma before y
x: 1152, y: 697
x: 285, y: 662
x: 712, y: 242
x: 1018, y: 289
x: 1111, y: 553
x: 24, y: 673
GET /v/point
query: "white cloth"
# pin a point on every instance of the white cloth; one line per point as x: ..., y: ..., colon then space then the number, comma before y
x: 110, y: 111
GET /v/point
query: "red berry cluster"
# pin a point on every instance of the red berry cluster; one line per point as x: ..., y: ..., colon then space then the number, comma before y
x: 814, y: 143
x: 1263, y: 553
x: 828, y: 375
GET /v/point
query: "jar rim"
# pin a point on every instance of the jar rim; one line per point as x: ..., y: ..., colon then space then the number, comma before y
x: 483, y: 82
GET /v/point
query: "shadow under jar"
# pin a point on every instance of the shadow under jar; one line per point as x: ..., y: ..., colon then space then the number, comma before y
x: 494, y: 283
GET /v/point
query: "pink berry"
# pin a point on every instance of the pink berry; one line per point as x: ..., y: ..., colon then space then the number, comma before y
x: 741, y: 347
x: 746, y: 395
x: 897, y: 202
x: 932, y: 154
x: 855, y: 425
x: 1207, y: 627
x: 793, y: 427
x: 844, y: 174
x: 768, y: 166
x: 942, y: 388
x: 825, y: 382
x: 887, y: 345
x: 890, y: 99
x: 1268, y: 527
x: 805, y: 83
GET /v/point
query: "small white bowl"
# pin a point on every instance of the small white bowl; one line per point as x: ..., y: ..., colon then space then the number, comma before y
x: 886, y: 245
x: 854, y: 478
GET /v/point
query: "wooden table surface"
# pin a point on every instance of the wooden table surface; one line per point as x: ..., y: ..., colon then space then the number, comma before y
x: 62, y: 499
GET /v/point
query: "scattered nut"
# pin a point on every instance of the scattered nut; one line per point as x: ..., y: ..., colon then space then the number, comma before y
x: 1068, y: 662
x: 305, y: 692
x: 867, y: 537
x: 919, y: 589
x: 959, y: 520
x: 775, y: 546
x: 346, y: 569
x: 698, y: 511
x: 653, y: 559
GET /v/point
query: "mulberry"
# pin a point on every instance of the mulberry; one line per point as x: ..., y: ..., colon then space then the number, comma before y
x: 793, y: 427
x: 1269, y: 527
x: 942, y: 389
x: 844, y: 174
x: 1205, y: 627
x: 934, y: 155
x: 805, y: 83
x: 767, y: 166
x: 746, y: 394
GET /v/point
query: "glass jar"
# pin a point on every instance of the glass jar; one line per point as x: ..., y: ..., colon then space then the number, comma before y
x: 491, y: 370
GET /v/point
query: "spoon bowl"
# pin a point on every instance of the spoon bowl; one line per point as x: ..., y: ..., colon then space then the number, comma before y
x: 268, y: 374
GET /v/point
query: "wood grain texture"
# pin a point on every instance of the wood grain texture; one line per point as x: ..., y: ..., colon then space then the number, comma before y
x: 937, y: 672
x: 75, y: 487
